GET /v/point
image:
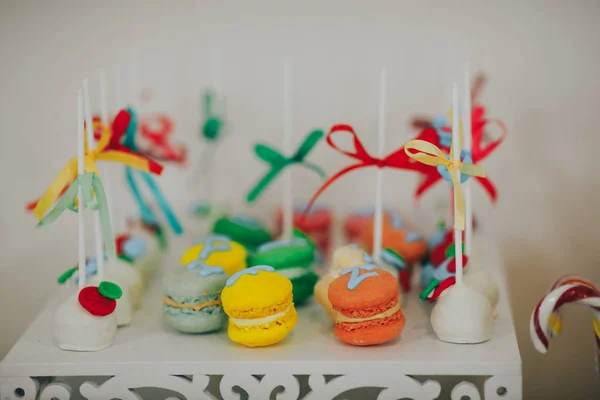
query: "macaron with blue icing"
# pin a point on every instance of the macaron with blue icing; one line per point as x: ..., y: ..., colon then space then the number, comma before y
x: 216, y: 251
x: 350, y: 255
x: 398, y: 235
x: 366, y: 301
x: 245, y: 230
x: 259, y: 304
x: 293, y: 259
x: 192, y: 298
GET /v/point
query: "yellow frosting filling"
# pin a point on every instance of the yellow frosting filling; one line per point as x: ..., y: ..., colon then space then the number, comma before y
x: 340, y: 318
x: 196, y: 307
x: 260, y: 321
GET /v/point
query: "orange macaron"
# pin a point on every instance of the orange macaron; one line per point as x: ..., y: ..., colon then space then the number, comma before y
x: 365, y: 299
x: 399, y: 236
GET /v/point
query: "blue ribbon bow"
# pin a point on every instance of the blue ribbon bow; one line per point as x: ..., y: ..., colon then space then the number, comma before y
x: 146, y: 213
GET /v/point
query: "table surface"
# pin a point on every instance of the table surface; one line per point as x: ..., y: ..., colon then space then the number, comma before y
x: 149, y: 345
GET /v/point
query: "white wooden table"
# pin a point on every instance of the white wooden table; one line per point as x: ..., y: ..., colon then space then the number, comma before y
x: 150, y: 361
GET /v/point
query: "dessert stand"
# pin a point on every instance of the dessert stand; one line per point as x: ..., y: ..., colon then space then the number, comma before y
x: 150, y: 361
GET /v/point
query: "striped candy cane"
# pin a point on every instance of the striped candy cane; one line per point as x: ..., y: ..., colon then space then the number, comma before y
x: 546, y: 317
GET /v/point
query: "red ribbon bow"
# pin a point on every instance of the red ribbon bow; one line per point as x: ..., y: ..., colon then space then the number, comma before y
x: 397, y: 159
x: 119, y: 126
x: 161, y: 149
x: 479, y: 151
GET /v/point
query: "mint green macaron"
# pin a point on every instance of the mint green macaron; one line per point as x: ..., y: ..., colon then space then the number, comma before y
x: 192, y: 299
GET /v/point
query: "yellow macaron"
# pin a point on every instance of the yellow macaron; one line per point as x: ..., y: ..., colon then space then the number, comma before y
x: 259, y: 304
x: 217, y: 250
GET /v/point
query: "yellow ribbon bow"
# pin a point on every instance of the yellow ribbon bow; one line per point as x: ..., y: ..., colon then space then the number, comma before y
x: 429, y: 154
x: 102, y: 152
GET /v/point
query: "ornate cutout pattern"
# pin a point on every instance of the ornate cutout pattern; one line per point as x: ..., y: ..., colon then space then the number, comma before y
x: 271, y: 386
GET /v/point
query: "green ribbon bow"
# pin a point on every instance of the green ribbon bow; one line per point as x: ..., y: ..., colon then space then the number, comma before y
x: 278, y: 162
x: 94, y: 198
x: 213, y: 123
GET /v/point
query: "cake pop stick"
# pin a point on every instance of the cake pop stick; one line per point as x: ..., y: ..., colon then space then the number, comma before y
x: 546, y: 321
x: 211, y: 131
x: 118, y: 93
x: 451, y: 168
x: 438, y: 132
x: 80, y: 173
x: 103, y: 105
x: 455, y: 155
x: 468, y: 138
x: 461, y: 314
x: 378, y: 228
x: 288, y: 202
x: 91, y: 145
x: 133, y: 82
x: 93, y: 190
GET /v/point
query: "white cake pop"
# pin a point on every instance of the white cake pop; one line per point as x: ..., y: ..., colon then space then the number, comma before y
x: 462, y: 315
x: 118, y: 272
x: 85, y: 322
x: 127, y: 277
x: 79, y: 329
x: 480, y: 279
x: 152, y: 258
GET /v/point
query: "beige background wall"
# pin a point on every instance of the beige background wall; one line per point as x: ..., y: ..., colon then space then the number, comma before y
x: 542, y: 58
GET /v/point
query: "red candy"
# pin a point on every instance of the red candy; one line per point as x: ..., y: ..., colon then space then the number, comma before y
x: 317, y: 225
x: 160, y: 146
x: 120, y: 242
x: 96, y: 304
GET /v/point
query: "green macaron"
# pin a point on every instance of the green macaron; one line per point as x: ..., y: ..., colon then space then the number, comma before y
x: 293, y: 259
x: 192, y: 299
x: 247, y: 231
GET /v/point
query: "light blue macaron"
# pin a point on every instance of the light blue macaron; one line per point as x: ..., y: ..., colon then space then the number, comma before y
x: 192, y: 299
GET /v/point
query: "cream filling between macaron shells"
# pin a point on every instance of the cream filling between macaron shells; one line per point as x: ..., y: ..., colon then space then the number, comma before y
x: 260, y: 321
x: 293, y: 273
x: 341, y: 318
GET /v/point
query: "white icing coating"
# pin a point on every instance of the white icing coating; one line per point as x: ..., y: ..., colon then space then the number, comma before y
x: 130, y: 281
x: 480, y: 279
x: 462, y: 315
x: 293, y: 273
x: 483, y: 282
x: 152, y: 260
x: 75, y: 329
x: 260, y: 321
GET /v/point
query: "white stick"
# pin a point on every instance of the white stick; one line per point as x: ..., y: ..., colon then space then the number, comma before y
x: 103, y: 105
x: 215, y: 71
x: 133, y: 82
x: 108, y: 193
x: 468, y: 136
x: 456, y: 159
x: 80, y: 172
x: 215, y: 79
x: 288, y: 202
x: 118, y: 94
x: 91, y: 146
x: 378, y: 228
